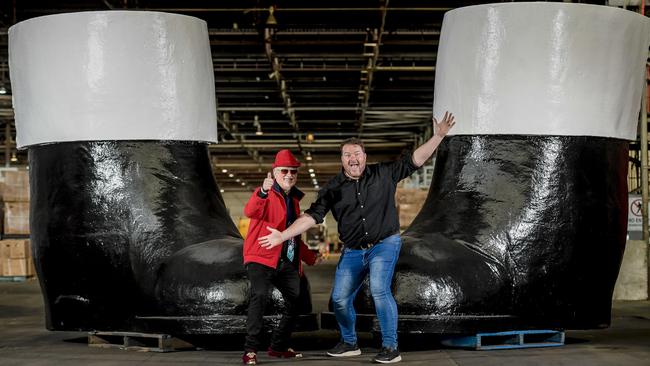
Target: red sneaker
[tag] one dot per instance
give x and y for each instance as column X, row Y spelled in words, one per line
column 249, row 358
column 289, row 353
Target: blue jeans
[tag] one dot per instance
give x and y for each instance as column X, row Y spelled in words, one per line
column 354, row 265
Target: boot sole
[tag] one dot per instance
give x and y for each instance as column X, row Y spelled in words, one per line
column 345, row 354
column 394, row 360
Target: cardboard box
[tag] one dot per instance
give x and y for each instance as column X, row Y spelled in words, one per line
column 16, row 220
column 410, row 196
column 31, row 269
column 16, row 267
column 16, row 186
column 15, row 248
column 5, row 250
column 407, row 213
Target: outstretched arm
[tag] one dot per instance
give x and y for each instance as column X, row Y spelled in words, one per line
column 298, row 227
column 424, row 152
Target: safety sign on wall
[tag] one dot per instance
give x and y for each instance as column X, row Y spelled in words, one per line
column 634, row 217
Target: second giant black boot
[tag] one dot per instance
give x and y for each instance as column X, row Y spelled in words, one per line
column 525, row 222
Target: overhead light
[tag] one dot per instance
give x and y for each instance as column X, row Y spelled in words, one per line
column 3, row 90
column 231, row 175
column 237, row 180
column 221, row 190
column 311, row 170
column 224, row 170
column 13, row 158
column 310, row 137
column 256, row 122
column 313, row 175
column 271, row 19
column 257, row 78
column 243, row 183
column 308, row 157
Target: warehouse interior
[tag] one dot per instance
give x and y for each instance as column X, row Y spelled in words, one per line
column 304, row 75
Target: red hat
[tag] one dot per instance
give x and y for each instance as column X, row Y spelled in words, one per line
column 285, row 158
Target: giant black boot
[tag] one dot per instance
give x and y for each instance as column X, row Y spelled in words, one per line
column 129, row 230
column 525, row 222
column 528, row 232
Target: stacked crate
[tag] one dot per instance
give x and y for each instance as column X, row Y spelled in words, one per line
column 15, row 250
column 409, row 201
column 16, row 258
column 16, row 203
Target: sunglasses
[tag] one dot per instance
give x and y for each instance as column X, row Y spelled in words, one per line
column 285, row 171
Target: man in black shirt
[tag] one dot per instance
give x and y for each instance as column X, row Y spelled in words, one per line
column 362, row 200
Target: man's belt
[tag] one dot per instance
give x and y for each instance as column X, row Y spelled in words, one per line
column 368, row 245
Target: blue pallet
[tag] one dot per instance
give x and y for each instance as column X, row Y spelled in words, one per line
column 13, row 278
column 507, row 340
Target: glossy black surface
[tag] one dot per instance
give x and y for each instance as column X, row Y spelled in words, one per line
column 531, row 228
column 216, row 324
column 126, row 229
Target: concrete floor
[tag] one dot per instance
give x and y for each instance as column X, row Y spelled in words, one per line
column 25, row 341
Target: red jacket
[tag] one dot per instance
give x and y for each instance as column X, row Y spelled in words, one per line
column 270, row 211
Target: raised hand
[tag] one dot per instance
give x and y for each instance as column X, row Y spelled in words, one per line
column 268, row 182
column 441, row 129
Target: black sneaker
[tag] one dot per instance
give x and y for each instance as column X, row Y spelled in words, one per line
column 388, row 355
column 344, row 350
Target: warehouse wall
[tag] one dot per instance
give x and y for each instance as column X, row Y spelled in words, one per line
column 632, row 282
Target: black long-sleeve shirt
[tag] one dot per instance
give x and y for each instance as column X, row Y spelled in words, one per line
column 364, row 208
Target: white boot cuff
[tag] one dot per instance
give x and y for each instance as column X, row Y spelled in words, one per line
column 112, row 75
column 542, row 69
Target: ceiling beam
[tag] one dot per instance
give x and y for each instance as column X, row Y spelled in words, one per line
column 370, row 50
column 241, row 142
column 281, row 82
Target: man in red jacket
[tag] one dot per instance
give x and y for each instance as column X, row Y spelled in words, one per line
column 275, row 204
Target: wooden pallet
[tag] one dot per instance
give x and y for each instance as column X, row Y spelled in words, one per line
column 142, row 342
column 507, row 340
